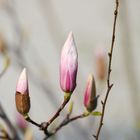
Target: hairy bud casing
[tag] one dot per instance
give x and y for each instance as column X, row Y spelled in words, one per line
column 22, row 94
column 22, row 103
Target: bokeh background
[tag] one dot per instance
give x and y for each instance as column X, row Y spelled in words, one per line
column 33, row 33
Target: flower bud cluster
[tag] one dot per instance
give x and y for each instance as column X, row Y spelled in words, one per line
column 68, row 75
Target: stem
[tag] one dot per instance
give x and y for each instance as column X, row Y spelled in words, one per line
column 27, row 118
column 66, row 100
column 109, row 86
column 69, row 120
column 5, row 138
column 66, row 121
column 44, row 125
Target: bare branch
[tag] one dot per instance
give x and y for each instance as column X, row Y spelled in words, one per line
column 109, row 85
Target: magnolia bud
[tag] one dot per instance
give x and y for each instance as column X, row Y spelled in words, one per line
column 101, row 64
column 22, row 94
column 68, row 65
column 90, row 99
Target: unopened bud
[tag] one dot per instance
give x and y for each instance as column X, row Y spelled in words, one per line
column 101, row 66
column 90, row 99
column 22, row 94
column 68, row 65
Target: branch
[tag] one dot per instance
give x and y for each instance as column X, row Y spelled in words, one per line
column 66, row 100
column 4, row 133
column 44, row 125
column 109, row 86
column 9, row 124
column 66, row 121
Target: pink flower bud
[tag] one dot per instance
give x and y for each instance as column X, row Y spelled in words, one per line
column 90, row 99
column 101, row 66
column 22, row 94
column 22, row 84
column 68, row 65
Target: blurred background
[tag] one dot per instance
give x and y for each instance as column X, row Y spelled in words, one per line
column 32, row 33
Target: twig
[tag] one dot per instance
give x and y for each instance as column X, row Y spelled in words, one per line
column 44, row 126
column 66, row 121
column 5, row 138
column 66, row 100
column 27, row 118
column 4, row 133
column 109, row 86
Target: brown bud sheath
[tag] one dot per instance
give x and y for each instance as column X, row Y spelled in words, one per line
column 22, row 103
column 22, row 94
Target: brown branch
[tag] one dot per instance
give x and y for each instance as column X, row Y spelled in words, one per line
column 66, row 100
column 4, row 133
column 66, row 121
column 109, row 86
column 44, row 125
column 5, row 138
column 27, row 118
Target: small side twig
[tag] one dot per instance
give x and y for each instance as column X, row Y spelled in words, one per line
column 58, row 111
column 66, row 121
column 109, row 85
column 5, row 138
column 27, row 118
column 44, row 125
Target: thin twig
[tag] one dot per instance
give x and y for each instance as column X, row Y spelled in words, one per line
column 58, row 111
column 5, row 138
column 66, row 121
column 32, row 121
column 109, row 86
column 44, row 125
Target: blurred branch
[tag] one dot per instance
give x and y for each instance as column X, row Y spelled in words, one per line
column 109, row 85
column 66, row 121
column 9, row 124
column 4, row 133
column 6, row 64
